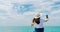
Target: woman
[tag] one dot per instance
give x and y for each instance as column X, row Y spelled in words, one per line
column 38, row 21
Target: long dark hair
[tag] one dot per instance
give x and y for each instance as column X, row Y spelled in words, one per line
column 37, row 20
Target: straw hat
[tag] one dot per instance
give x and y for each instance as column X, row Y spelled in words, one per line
column 37, row 15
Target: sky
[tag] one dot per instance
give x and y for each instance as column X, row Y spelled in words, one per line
column 21, row 12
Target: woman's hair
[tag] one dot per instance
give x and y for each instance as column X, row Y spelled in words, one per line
column 37, row 20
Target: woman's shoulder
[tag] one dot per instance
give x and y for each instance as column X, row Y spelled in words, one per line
column 42, row 18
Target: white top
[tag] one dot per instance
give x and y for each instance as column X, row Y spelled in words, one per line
column 40, row 25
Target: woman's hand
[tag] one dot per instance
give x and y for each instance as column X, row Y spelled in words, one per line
column 32, row 24
column 46, row 19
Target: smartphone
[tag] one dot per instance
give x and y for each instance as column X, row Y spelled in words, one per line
column 46, row 16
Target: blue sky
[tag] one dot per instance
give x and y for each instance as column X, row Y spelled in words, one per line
column 21, row 12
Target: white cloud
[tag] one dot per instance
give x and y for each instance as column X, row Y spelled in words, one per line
column 55, row 12
column 56, row 0
column 28, row 13
column 13, row 19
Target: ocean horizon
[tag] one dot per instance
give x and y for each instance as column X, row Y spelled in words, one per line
column 27, row 29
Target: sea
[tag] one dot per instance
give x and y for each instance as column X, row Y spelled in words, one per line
column 28, row 29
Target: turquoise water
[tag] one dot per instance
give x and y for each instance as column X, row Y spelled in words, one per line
column 28, row 29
